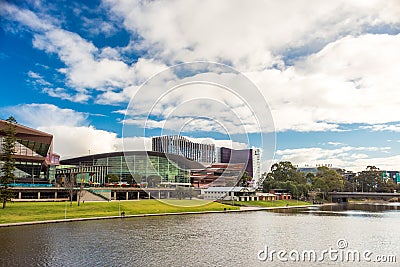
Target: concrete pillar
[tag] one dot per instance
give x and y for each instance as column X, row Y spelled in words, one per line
column 55, row 195
column 168, row 194
column 138, row 195
column 115, row 195
column 127, row 195
column 19, row 195
column 38, row 195
column 159, row 194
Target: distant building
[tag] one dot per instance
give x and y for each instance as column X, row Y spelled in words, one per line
column 179, row 145
column 34, row 158
column 394, row 175
column 281, row 194
column 230, row 193
column 250, row 157
column 266, row 196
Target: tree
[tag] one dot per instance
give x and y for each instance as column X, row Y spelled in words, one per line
column 327, row 180
column 245, row 179
column 137, row 178
column 70, row 186
column 180, row 192
column 112, row 178
column 154, row 180
column 190, row 193
column 369, row 179
column 284, row 175
column 8, row 151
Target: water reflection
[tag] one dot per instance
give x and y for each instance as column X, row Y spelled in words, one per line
column 348, row 209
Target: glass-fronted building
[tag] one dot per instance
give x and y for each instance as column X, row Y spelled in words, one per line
column 143, row 165
column 34, row 158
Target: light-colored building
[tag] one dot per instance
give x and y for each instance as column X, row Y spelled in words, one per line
column 230, row 193
column 266, row 196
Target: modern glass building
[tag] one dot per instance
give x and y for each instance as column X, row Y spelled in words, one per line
column 34, row 158
column 179, row 145
column 144, row 165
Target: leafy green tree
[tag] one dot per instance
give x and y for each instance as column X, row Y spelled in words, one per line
column 245, row 179
column 284, row 175
column 285, row 171
column 112, row 178
column 130, row 180
column 327, row 180
column 8, row 151
column 369, row 179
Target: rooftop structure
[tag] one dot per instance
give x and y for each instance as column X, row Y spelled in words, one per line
column 34, row 158
column 179, row 145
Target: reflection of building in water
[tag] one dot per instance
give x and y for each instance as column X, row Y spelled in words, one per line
column 179, row 145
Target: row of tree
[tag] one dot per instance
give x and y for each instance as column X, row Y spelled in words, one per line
column 284, row 175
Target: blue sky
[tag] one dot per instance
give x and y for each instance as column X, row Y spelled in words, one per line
column 322, row 75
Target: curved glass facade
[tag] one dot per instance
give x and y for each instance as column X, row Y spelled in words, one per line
column 171, row 170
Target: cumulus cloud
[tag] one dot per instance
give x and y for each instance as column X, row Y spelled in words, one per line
column 328, row 69
column 347, row 157
column 73, row 136
column 37, row 115
column 246, row 35
column 382, row 127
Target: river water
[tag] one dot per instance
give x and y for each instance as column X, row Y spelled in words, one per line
column 222, row 239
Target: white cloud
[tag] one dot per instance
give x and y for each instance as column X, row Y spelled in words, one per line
column 72, row 141
column 250, row 35
column 382, row 127
column 73, row 136
column 352, row 80
column 335, row 143
column 338, row 75
column 37, row 115
column 63, row 94
column 347, row 157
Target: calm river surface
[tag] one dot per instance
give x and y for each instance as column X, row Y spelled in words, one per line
column 223, row 239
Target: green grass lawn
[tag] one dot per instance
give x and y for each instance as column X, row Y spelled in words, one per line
column 42, row 211
column 275, row 203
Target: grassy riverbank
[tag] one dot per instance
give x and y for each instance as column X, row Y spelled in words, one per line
column 43, row 211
